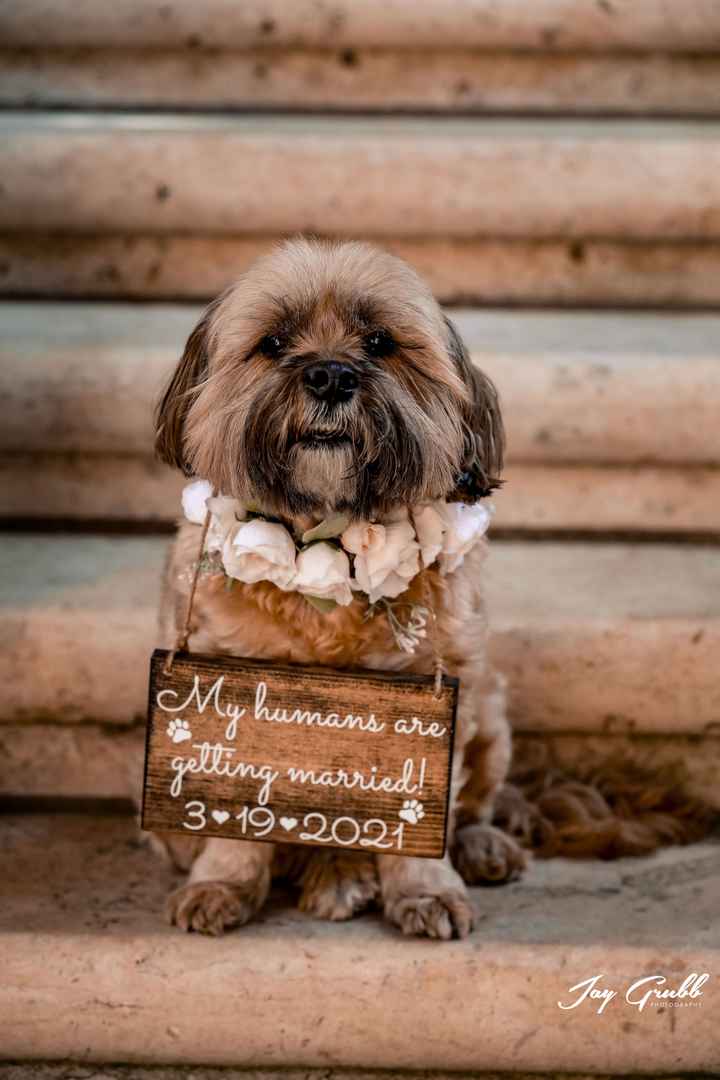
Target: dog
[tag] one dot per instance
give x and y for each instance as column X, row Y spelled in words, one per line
column 327, row 379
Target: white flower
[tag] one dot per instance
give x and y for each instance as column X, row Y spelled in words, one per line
column 464, row 525
column 225, row 514
column 386, row 557
column 323, row 571
column 194, row 500
column 260, row 550
column 430, row 530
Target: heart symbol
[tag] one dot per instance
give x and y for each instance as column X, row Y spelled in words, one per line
column 288, row 823
column 220, row 816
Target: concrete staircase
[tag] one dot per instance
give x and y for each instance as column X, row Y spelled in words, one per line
column 553, row 167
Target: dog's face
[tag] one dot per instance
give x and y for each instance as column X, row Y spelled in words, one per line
column 328, row 379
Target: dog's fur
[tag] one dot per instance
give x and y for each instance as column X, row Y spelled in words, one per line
column 423, row 424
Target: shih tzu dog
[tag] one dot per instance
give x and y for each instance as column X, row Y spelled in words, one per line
column 325, row 381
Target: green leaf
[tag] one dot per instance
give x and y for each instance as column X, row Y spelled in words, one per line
column 321, row 604
column 328, row 529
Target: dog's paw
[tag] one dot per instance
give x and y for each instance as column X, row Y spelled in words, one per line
column 484, row 855
column 338, row 885
column 210, row 907
column 179, row 731
column 445, row 916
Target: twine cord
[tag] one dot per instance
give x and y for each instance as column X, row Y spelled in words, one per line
column 181, row 640
column 438, row 660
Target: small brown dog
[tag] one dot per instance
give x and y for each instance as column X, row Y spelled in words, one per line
column 327, row 379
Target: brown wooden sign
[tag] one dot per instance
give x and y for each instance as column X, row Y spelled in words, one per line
column 254, row 751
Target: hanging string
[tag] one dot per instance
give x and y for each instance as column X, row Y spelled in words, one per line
column 183, row 636
column 438, row 661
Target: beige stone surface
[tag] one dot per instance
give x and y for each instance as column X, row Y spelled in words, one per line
column 600, row 499
column 77, row 625
column 89, row 487
column 114, row 488
column 34, row 1070
column 420, row 177
column 457, row 80
column 93, row 761
column 460, row 271
column 594, row 637
column 576, row 387
column 73, row 1071
column 91, row 973
column 515, row 24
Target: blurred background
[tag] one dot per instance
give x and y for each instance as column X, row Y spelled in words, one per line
column 552, row 167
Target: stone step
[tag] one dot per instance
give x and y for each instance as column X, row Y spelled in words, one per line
column 91, row 973
column 612, row 388
column 460, row 80
column 572, row 273
column 442, row 178
column 34, row 1070
column 611, row 637
column 105, row 761
column 644, row 25
column 625, row 440
column 643, row 501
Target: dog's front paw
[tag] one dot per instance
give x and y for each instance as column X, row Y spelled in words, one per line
column 445, row 916
column 338, row 885
column 211, row 907
column 484, row 855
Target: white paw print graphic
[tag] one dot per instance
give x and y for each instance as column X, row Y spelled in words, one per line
column 412, row 811
column 179, row 731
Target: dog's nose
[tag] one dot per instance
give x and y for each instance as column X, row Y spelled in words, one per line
column 331, row 382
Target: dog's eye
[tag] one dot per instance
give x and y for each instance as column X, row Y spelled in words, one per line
column 379, row 343
column 271, row 346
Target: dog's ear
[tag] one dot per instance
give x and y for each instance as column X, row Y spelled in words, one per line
column 484, row 432
column 172, row 409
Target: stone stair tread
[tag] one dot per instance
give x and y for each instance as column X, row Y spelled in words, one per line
column 606, row 273
column 516, row 24
column 577, row 626
column 489, row 129
column 616, row 387
column 83, row 913
column 437, row 79
column 447, row 177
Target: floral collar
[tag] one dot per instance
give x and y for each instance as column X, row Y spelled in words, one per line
column 338, row 558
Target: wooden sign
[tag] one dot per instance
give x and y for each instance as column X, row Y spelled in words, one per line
column 254, row 751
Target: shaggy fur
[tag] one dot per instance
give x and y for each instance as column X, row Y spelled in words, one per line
column 422, row 424
column 619, row 807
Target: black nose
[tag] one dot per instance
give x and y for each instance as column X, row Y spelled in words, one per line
column 331, row 382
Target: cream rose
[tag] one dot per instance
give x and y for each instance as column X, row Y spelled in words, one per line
column 386, row 557
column 464, row 525
column 430, row 530
column 323, row 571
column 225, row 514
column 260, row 550
column 194, row 500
